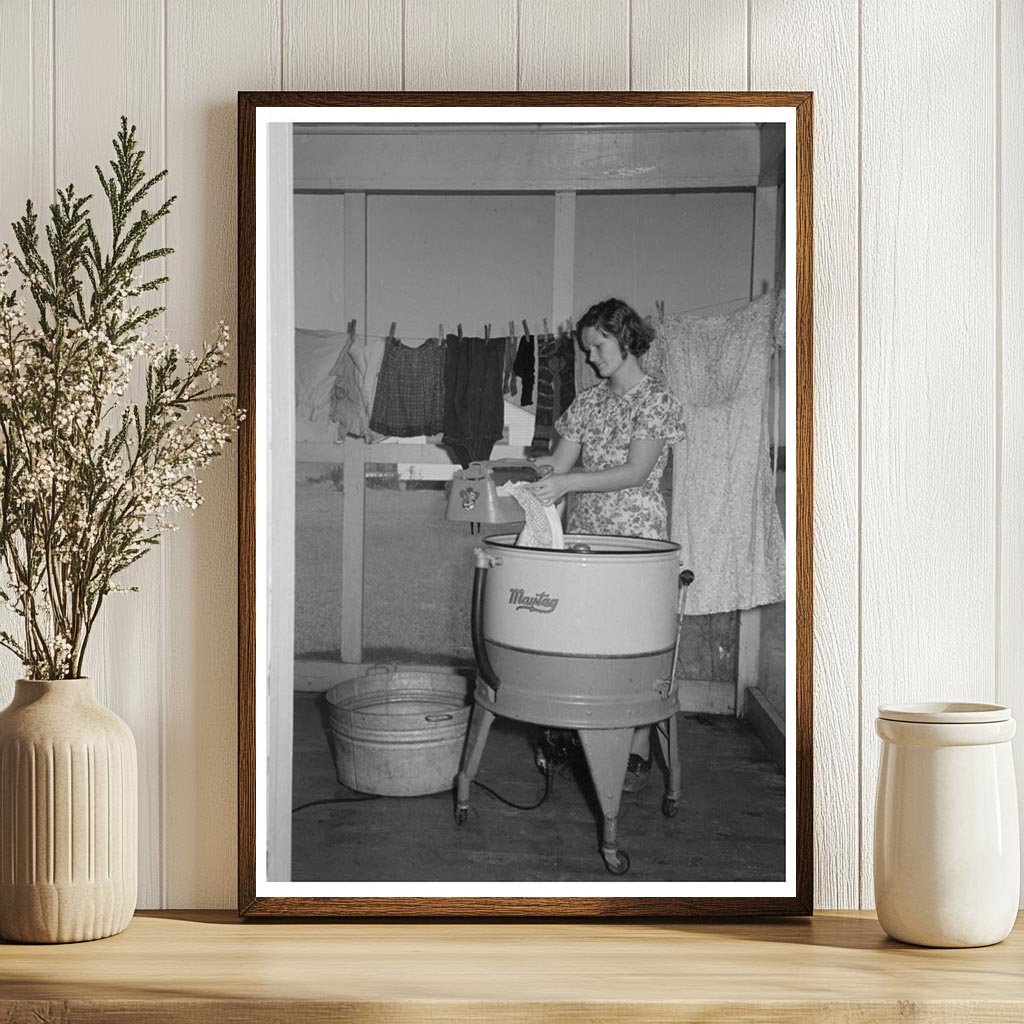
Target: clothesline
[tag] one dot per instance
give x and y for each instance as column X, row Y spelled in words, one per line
column 678, row 312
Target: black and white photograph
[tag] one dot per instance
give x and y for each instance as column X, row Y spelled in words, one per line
column 525, row 502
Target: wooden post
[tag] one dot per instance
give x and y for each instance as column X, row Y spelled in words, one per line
column 748, row 661
column 762, row 278
column 354, row 261
column 565, row 256
column 280, row 539
column 353, row 506
column 762, row 265
column 352, row 548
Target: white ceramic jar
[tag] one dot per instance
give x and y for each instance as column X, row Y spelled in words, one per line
column 947, row 848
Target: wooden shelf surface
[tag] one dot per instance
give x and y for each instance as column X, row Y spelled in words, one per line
column 200, row 966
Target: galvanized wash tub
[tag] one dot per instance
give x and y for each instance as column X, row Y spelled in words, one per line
column 398, row 732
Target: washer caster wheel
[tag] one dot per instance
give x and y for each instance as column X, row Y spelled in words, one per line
column 669, row 806
column 617, row 863
column 461, row 815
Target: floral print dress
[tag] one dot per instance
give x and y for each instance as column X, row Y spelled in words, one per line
column 605, row 424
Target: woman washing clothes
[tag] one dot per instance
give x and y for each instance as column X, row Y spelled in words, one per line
column 622, row 428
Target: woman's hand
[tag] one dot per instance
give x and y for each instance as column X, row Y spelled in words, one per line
column 552, row 489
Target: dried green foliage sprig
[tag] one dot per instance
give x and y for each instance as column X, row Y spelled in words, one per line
column 89, row 478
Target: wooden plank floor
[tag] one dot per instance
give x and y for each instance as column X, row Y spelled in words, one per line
column 730, row 825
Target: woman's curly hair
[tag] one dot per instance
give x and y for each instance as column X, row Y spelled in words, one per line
column 622, row 322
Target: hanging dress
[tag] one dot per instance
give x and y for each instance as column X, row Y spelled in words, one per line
column 318, row 359
column 474, row 411
column 367, row 354
column 724, row 515
column 556, row 387
column 409, row 399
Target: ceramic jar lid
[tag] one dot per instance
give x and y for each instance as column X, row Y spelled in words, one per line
column 945, row 713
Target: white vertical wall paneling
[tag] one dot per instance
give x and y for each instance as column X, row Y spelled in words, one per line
column 699, row 44
column 125, row 651
column 801, row 45
column 928, row 401
column 342, row 44
column 16, row 68
column 281, row 318
column 42, row 99
column 468, row 45
column 574, row 44
column 1010, row 214
column 18, row 58
column 26, row 109
column 26, row 81
column 213, row 51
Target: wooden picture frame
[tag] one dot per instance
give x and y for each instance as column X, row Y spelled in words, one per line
column 266, row 313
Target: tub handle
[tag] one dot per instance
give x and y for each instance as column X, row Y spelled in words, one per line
column 686, row 577
column 439, row 718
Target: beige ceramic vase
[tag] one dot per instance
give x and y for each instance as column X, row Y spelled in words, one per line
column 68, row 815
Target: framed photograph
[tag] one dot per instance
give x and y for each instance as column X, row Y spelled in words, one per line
column 525, row 504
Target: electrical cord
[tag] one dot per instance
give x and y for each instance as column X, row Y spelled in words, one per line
column 549, row 778
column 549, row 785
column 336, row 800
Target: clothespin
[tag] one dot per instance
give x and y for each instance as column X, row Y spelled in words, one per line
column 526, row 327
column 659, row 305
column 545, row 327
column 460, row 330
column 511, row 330
column 352, row 328
column 391, row 332
column 487, row 332
column 440, row 333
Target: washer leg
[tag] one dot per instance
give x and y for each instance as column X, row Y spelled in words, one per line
column 479, row 726
column 607, row 752
column 667, row 732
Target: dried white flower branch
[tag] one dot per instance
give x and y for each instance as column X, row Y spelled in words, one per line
column 88, row 478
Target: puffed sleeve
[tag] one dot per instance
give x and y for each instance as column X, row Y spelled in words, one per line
column 572, row 424
column 660, row 418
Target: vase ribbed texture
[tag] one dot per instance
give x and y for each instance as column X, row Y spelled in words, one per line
column 68, row 815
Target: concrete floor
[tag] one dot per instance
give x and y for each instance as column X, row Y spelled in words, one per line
column 730, row 825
